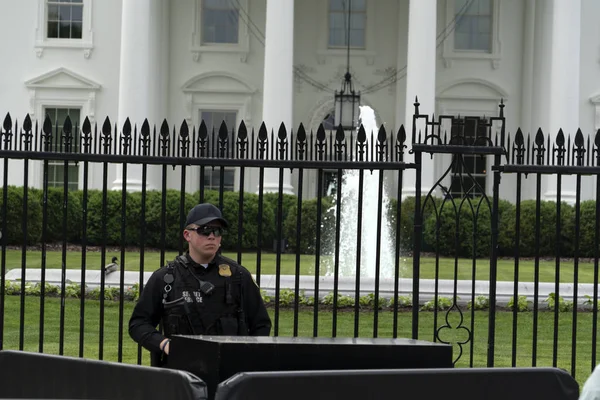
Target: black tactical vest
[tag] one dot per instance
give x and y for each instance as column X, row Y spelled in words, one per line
column 203, row 302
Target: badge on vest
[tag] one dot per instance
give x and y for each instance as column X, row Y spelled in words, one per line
column 224, row 270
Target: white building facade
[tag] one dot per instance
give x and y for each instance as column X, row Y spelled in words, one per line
column 281, row 60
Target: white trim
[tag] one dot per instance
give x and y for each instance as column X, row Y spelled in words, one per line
column 246, row 87
column 449, row 54
column 68, row 89
column 242, row 48
column 595, row 100
column 238, row 97
column 324, row 53
column 497, row 92
column 86, row 43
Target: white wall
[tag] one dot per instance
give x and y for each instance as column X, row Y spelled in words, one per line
column 201, row 78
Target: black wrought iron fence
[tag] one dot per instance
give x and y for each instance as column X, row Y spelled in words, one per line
column 307, row 249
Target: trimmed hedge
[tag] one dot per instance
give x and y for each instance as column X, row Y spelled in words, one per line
column 443, row 222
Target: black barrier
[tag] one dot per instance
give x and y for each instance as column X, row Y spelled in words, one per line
column 421, row 384
column 42, row 376
column 216, row 358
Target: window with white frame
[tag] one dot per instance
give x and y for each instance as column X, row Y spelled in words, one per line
column 64, row 19
column 65, row 24
column 213, row 120
column 220, row 22
column 473, row 28
column 56, row 168
column 342, row 13
column 469, row 177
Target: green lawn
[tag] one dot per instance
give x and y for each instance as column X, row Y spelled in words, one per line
column 287, row 265
column 477, row 356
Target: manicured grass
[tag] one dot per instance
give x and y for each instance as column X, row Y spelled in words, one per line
column 474, row 352
column 287, row 265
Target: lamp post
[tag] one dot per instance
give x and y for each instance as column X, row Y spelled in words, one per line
column 347, row 99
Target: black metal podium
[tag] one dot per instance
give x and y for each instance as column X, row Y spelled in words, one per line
column 216, row 358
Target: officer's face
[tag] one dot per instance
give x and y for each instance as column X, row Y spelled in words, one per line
column 204, row 241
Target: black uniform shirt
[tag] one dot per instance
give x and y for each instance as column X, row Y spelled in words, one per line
column 148, row 311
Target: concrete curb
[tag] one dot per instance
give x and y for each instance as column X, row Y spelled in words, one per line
column 346, row 285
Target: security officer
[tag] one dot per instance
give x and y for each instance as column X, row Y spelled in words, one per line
column 200, row 292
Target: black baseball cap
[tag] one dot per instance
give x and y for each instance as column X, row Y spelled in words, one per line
column 204, row 213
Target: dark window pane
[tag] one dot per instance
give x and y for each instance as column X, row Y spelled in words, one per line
column 64, row 13
column 220, row 22
column 76, row 30
column 77, row 14
column 52, row 29
column 337, row 5
column 52, row 13
column 64, row 30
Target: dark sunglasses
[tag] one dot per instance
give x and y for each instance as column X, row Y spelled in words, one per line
column 207, row 230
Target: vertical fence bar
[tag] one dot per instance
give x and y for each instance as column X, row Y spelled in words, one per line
column 359, row 226
column 4, row 240
column 318, row 251
column 122, row 261
column 43, row 255
column 576, row 275
column 278, row 238
column 397, row 253
column 261, row 199
column 536, row 266
column 103, row 258
column 517, row 250
column 163, row 215
column 298, row 271
column 418, row 230
column 24, row 250
column 494, row 265
column 557, row 272
column 336, row 259
column 63, row 266
column 142, row 241
column 596, row 280
column 378, row 254
column 240, row 215
column 84, row 219
column 473, row 283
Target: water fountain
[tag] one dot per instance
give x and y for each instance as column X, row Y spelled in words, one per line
column 348, row 220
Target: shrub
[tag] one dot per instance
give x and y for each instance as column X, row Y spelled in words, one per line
column 463, row 227
column 547, row 236
column 403, row 302
column 14, row 233
column 587, row 229
column 522, row 304
column 480, row 303
column 563, row 305
column 443, row 303
column 343, row 301
column 56, row 214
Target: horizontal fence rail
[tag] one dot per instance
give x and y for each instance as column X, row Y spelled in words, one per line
column 362, row 248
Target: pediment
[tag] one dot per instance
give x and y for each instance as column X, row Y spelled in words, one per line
column 218, row 82
column 595, row 99
column 62, row 78
column 472, row 89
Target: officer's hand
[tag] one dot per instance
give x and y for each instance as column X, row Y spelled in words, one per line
column 164, row 345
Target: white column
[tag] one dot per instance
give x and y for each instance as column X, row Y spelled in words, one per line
column 142, row 78
column 278, row 89
column 528, row 71
column 420, row 82
column 564, row 84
